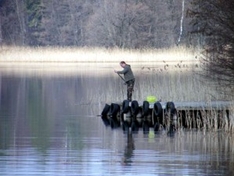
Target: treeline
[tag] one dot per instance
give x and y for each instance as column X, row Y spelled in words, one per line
column 102, row 23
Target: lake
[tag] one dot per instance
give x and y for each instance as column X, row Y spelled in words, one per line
column 49, row 124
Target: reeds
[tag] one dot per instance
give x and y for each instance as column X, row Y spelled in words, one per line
column 85, row 54
column 206, row 119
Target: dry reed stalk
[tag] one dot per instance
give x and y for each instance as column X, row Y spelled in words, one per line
column 225, row 120
column 188, row 119
column 211, row 119
column 231, row 119
column 179, row 121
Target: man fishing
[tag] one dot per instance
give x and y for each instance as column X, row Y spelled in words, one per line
column 128, row 78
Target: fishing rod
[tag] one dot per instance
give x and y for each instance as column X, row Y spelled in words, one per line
column 121, row 77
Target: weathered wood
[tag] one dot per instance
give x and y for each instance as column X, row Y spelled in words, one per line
column 219, row 105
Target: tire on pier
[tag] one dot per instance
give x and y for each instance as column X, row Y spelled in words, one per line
column 134, row 107
column 104, row 114
column 172, row 114
column 105, row 110
column 134, row 111
column 157, row 109
column 125, row 106
column 170, row 109
column 170, row 106
column 114, row 110
column 145, row 108
column 158, row 113
column 145, row 113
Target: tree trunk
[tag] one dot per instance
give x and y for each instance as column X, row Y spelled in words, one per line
column 20, row 15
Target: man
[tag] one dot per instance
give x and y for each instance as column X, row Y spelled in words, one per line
column 128, row 77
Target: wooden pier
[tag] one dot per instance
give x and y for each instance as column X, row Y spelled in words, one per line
column 168, row 116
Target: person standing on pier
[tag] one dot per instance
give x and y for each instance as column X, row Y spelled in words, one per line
column 128, row 78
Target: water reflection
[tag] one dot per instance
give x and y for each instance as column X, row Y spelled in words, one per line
column 49, row 126
column 128, row 150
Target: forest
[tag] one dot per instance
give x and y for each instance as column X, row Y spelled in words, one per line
column 126, row 24
column 96, row 23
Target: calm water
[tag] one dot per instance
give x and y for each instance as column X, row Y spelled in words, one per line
column 49, row 126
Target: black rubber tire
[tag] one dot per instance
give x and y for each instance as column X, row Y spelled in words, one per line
column 114, row 109
column 125, row 106
column 140, row 111
column 170, row 105
column 174, row 111
column 134, row 107
column 157, row 109
column 105, row 110
column 145, row 108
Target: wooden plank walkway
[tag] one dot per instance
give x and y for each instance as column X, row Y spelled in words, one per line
column 219, row 105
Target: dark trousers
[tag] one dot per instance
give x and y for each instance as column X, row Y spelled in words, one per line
column 130, row 86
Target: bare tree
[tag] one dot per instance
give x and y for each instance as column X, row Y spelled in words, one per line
column 120, row 24
column 79, row 14
column 213, row 20
column 63, row 23
column 1, row 37
column 181, row 21
column 10, row 23
column 21, row 21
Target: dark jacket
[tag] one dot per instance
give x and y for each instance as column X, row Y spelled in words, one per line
column 127, row 72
